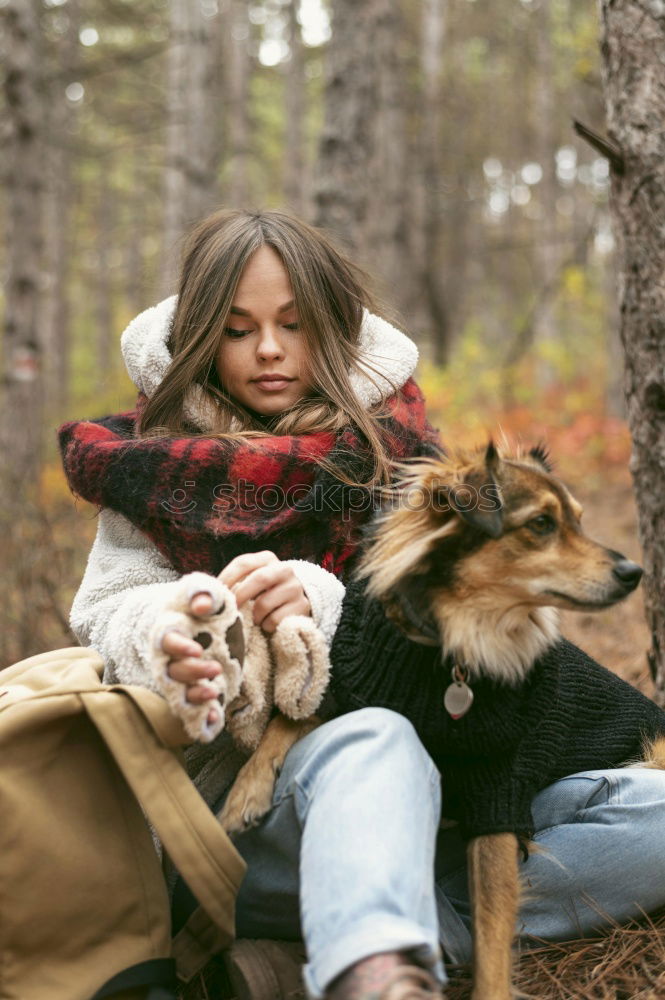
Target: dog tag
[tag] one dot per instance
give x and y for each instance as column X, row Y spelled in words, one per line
column 458, row 698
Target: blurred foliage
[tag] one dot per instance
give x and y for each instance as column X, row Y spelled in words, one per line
column 572, row 410
column 585, row 441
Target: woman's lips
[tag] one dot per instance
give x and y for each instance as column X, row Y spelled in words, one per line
column 272, row 384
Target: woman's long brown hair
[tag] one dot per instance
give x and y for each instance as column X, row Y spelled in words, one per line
column 330, row 293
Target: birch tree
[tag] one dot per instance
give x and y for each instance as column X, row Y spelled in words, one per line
column 632, row 47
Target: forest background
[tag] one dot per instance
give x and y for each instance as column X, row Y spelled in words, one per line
column 434, row 138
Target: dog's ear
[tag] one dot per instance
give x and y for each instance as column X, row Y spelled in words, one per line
column 478, row 499
column 541, row 455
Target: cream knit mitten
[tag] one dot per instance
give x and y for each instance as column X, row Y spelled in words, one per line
column 302, row 668
column 222, row 637
column 288, row 668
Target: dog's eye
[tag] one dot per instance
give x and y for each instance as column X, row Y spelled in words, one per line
column 541, row 525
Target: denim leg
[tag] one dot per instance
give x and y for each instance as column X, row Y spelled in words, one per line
column 601, row 836
column 452, row 896
column 346, row 855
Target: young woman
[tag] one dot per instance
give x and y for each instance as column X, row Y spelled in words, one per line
column 271, row 401
column 268, row 375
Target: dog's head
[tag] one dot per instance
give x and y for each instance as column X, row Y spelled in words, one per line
column 491, row 534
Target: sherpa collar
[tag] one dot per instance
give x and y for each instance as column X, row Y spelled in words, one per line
column 392, row 355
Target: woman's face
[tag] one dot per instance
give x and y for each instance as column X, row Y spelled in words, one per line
column 262, row 359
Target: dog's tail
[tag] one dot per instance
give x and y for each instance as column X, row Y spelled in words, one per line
column 654, row 754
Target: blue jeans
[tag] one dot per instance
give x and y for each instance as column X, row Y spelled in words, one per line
column 345, row 859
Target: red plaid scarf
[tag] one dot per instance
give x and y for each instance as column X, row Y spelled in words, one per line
column 203, row 501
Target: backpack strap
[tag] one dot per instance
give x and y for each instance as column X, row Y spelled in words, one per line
column 127, row 719
column 152, row 980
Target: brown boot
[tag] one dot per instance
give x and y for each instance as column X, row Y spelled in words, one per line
column 265, row 970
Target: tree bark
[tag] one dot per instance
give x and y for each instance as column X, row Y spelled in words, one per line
column 237, row 87
column 20, row 429
column 632, row 47
column 548, row 253
column 294, row 159
column 431, row 142
column 22, row 377
column 362, row 186
column 104, row 325
column 390, row 184
column 135, row 230
column 192, row 126
column 341, row 192
column 58, row 237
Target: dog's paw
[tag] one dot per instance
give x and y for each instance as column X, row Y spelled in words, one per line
column 249, row 800
column 302, row 667
column 222, row 638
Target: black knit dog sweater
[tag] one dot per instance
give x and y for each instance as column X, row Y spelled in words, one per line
column 569, row 715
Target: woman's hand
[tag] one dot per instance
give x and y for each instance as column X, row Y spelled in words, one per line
column 260, row 576
column 274, row 587
column 187, row 663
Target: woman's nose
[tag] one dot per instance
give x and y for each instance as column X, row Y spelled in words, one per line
column 269, row 346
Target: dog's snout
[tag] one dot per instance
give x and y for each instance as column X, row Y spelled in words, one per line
column 627, row 573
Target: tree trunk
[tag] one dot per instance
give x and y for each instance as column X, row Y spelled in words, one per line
column 58, row 242
column 59, row 248
column 362, row 187
column 390, row 185
column 20, row 430
column 135, row 230
column 548, row 253
column 237, row 87
column 104, row 325
column 192, row 126
column 342, row 189
column 22, row 377
column 431, row 142
column 294, row 159
column 632, row 47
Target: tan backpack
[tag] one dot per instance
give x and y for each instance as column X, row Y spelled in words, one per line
column 84, row 912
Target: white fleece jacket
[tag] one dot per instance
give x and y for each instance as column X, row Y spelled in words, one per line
column 127, row 581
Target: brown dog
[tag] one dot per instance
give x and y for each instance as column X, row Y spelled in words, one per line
column 492, row 605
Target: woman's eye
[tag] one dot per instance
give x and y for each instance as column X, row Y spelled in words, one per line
column 291, row 326
column 230, row 331
column 542, row 525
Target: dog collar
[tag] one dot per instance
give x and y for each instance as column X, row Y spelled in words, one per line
column 426, row 631
column 458, row 696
